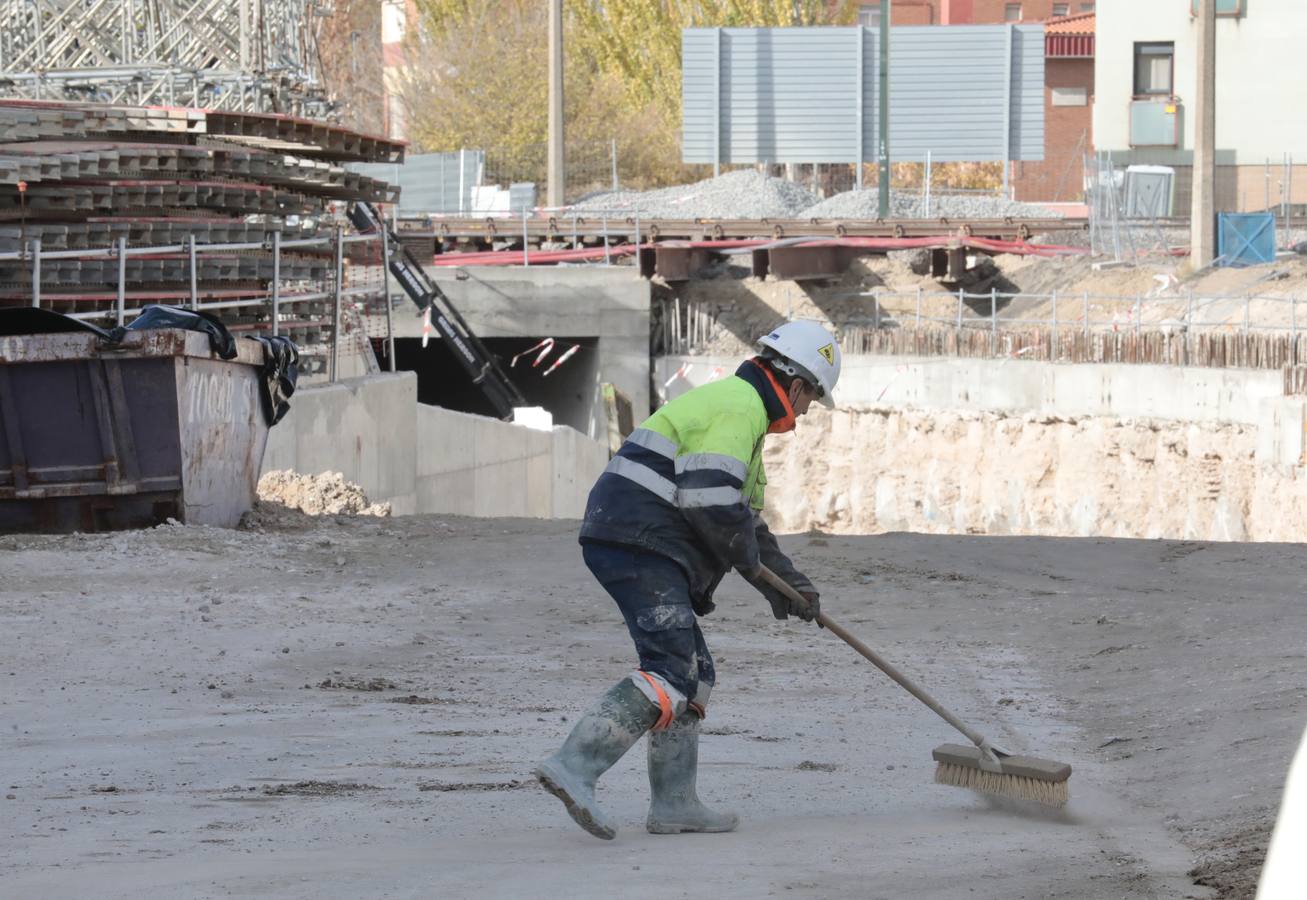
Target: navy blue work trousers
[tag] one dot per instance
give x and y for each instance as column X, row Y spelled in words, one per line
column 653, row 593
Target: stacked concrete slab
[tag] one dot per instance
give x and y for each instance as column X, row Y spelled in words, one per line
column 79, row 176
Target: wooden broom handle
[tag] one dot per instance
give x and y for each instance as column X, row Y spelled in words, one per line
column 875, row 659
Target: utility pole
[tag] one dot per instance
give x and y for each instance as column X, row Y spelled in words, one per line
column 556, row 162
column 1202, row 216
column 882, row 120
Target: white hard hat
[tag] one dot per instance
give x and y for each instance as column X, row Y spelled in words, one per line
column 811, row 352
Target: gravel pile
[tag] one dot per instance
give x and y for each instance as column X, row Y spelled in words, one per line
column 864, row 205
column 743, row 194
column 747, row 194
column 327, row 494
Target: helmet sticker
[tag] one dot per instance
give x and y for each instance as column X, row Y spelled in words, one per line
column 828, row 353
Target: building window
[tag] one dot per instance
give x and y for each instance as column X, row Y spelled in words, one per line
column 869, row 16
column 1070, row 96
column 1154, row 64
column 1061, row 9
column 1012, row 12
column 1086, row 7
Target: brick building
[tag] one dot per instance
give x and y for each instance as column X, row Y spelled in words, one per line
column 1068, row 80
column 1068, row 114
column 972, row 12
column 1147, row 84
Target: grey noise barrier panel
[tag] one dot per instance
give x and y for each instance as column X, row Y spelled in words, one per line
column 965, row 93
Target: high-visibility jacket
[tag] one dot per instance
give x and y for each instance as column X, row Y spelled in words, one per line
column 689, row 484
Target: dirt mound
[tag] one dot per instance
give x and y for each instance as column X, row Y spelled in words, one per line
column 328, row 494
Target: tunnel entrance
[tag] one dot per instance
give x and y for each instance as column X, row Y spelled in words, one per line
column 569, row 392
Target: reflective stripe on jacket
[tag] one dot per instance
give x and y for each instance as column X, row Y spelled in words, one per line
column 689, row 483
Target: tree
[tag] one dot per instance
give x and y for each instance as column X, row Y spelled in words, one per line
column 479, row 77
column 640, row 41
column 349, row 53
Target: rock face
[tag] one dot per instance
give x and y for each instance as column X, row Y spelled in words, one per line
column 867, row 471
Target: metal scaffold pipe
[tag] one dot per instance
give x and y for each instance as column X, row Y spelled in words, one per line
column 197, row 53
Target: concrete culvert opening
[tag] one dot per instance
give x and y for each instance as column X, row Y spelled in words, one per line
column 569, row 392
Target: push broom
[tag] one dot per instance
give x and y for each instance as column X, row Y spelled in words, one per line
column 983, row 767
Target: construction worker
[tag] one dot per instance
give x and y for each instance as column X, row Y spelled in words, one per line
column 676, row 509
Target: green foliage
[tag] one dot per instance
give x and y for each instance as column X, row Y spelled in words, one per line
column 640, row 40
column 479, row 76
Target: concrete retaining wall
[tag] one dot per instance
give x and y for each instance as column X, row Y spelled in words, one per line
column 1119, row 391
column 474, row 466
column 424, row 459
column 1013, row 447
column 1177, row 393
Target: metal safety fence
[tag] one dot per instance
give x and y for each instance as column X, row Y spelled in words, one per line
column 1185, row 329
column 308, row 292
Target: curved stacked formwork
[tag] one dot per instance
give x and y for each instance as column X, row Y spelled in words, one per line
column 80, row 183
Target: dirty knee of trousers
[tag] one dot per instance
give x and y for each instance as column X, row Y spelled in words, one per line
column 653, row 594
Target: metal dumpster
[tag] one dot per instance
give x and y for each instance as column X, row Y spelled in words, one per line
column 97, row 435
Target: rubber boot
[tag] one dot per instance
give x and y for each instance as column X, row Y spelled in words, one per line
column 673, row 770
column 598, row 740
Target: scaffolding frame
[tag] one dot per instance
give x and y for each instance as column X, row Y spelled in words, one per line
column 239, row 55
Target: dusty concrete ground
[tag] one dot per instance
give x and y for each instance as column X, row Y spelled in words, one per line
column 353, row 709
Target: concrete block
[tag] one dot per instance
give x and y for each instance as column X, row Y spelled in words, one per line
column 499, row 489
column 576, row 462
column 446, row 441
column 445, row 459
column 504, row 469
column 539, row 485
column 536, row 417
column 451, row 493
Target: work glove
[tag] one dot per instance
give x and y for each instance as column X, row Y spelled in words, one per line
column 782, row 607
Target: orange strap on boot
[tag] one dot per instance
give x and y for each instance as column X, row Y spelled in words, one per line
column 666, row 711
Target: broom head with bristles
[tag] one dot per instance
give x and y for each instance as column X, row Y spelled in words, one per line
column 1021, row 777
